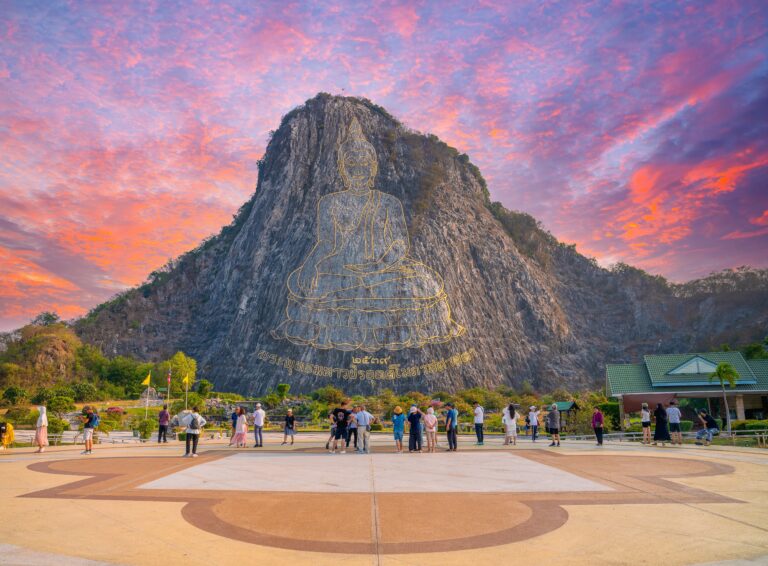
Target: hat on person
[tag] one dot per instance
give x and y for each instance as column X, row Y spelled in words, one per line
column 258, row 405
column 398, row 410
column 532, row 408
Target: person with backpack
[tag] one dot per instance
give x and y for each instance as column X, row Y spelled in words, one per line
column 91, row 422
column 194, row 423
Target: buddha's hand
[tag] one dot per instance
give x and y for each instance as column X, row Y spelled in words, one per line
column 308, row 279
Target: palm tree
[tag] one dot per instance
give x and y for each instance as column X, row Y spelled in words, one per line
column 725, row 373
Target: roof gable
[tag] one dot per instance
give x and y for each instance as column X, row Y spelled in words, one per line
column 672, row 370
column 695, row 366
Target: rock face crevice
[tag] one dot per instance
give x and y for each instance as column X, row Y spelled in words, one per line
column 534, row 309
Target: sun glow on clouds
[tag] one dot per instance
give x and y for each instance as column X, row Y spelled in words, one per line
column 129, row 131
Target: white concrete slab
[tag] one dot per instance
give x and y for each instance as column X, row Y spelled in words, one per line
column 476, row 472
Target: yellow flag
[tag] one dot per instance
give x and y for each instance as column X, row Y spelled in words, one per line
column 185, row 381
column 146, row 381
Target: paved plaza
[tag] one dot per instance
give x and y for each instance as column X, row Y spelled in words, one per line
column 579, row 504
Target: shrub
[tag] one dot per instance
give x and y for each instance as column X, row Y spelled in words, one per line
column 377, row 427
column 739, row 425
column 686, row 426
column 145, row 427
column 194, row 400
column 83, row 392
column 61, row 405
column 757, row 425
column 42, row 396
column 14, row 395
column 57, row 425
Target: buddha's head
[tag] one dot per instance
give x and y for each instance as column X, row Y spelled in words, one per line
column 357, row 158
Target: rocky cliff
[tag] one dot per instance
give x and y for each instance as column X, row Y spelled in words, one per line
column 531, row 308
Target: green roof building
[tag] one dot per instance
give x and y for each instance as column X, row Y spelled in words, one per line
column 661, row 378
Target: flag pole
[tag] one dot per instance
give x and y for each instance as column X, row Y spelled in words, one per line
column 186, row 392
column 146, row 403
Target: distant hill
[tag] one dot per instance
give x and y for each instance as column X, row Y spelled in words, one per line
column 39, row 356
column 526, row 307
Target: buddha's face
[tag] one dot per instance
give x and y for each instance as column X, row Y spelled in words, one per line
column 358, row 166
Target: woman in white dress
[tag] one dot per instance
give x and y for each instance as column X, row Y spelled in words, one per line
column 509, row 420
column 41, row 432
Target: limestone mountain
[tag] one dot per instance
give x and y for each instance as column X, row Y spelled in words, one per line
column 370, row 256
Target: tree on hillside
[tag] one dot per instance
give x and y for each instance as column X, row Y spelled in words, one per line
column 725, row 373
column 282, row 390
column 204, row 388
column 755, row 351
column 46, row 318
column 15, row 395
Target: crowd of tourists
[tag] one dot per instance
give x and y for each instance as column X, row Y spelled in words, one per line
column 668, row 427
column 350, row 427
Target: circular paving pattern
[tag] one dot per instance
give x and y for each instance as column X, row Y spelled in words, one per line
column 383, row 503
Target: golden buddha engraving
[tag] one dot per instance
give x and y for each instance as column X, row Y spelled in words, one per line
column 358, row 289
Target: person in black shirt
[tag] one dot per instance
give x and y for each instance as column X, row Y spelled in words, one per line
column 414, row 434
column 290, row 427
column 342, row 415
column 709, row 429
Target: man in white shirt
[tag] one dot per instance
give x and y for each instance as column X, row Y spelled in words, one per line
column 479, row 418
column 258, row 424
column 533, row 418
column 673, row 417
column 364, row 421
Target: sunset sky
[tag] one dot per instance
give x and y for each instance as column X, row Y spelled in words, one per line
column 129, row 131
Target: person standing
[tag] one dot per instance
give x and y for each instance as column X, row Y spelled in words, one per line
column 353, row 429
column 597, row 425
column 289, row 429
column 241, row 429
column 41, row 429
column 430, row 424
column 414, row 432
column 364, row 420
column 673, row 417
column 259, row 416
column 479, row 420
column 194, row 423
column 645, row 420
column 163, row 420
column 342, row 416
column 661, row 433
column 398, row 428
column 90, row 422
column 509, row 420
column 452, row 427
column 533, row 418
column 233, row 418
column 332, row 435
column 553, row 424
column 709, row 428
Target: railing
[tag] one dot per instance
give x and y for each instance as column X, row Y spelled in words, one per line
column 761, row 436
